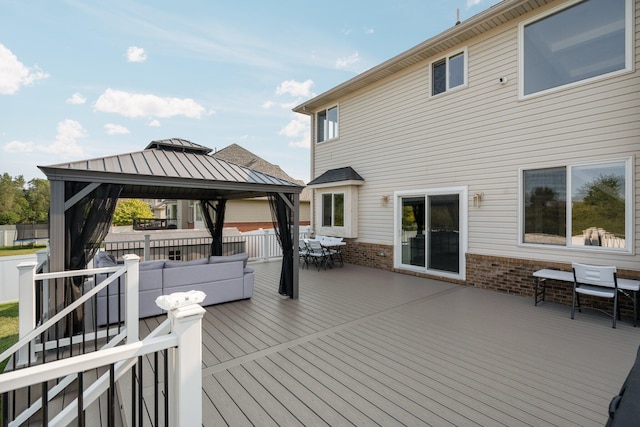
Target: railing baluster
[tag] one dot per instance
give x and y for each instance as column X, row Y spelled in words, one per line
column 5, row 409
column 140, row 386
column 165, row 353
column 111, row 398
column 45, row 404
column 80, row 399
column 155, row 389
column 134, row 395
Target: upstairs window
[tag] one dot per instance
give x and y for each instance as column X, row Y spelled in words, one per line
column 589, row 39
column 327, row 124
column 448, row 73
column 579, row 206
column 333, row 210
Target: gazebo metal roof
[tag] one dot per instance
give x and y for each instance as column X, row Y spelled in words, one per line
column 172, row 168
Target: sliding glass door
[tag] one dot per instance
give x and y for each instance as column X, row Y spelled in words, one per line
column 431, row 234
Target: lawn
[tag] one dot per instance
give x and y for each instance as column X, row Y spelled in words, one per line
column 8, row 328
column 20, row 250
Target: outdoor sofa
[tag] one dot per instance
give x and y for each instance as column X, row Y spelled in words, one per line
column 221, row 278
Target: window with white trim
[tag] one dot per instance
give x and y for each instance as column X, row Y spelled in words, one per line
column 448, row 73
column 333, row 210
column 586, row 40
column 578, row 206
column 327, row 124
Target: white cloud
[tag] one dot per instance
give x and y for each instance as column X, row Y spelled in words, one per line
column 76, row 99
column 66, row 144
column 471, row 3
column 347, row 62
column 146, row 105
column 268, row 104
column 113, row 129
column 19, row 147
column 295, row 88
column 154, row 123
column 136, row 54
column 297, row 129
column 14, row 74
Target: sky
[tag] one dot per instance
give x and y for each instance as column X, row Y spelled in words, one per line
column 88, row 79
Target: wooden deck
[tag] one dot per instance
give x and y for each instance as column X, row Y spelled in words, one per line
column 364, row 346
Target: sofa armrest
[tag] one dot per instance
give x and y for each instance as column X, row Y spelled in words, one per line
column 247, row 277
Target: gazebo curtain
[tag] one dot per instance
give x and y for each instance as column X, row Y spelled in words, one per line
column 282, row 217
column 87, row 224
column 213, row 215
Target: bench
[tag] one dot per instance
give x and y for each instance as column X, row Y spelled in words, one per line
column 627, row 287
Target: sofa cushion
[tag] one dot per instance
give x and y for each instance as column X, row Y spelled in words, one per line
column 173, row 264
column 151, row 265
column 216, row 259
column 103, row 259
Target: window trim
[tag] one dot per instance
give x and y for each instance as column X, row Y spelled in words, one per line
column 447, row 58
column 326, row 128
column 629, row 50
column 629, row 207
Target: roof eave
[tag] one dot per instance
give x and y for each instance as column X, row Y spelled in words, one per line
column 482, row 22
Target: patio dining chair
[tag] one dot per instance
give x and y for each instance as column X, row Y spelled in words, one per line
column 333, row 247
column 317, row 254
column 596, row 281
column 303, row 253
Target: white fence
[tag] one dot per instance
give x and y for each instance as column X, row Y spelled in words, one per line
column 9, row 276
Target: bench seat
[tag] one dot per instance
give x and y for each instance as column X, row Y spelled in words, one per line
column 627, row 287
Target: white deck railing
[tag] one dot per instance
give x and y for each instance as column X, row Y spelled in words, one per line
column 180, row 335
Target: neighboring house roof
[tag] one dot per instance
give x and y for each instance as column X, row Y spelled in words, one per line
column 173, row 169
column 337, row 175
column 483, row 22
column 243, row 157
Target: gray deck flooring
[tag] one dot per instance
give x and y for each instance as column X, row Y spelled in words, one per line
column 368, row 347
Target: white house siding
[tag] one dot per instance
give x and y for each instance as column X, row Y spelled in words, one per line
column 398, row 138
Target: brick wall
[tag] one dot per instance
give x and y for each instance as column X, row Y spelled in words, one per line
column 514, row 276
column 501, row 274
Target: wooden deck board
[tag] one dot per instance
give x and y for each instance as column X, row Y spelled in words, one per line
column 364, row 346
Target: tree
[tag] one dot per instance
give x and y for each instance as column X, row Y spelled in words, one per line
column 38, row 196
column 128, row 209
column 12, row 200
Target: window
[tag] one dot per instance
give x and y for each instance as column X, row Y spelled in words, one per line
column 587, row 40
column 578, row 206
column 327, row 124
column 333, row 210
column 448, row 73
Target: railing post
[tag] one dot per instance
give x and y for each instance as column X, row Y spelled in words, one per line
column 147, row 247
column 265, row 245
column 26, row 308
column 185, row 362
column 132, row 283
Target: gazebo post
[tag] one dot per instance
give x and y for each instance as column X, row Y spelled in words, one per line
column 296, row 236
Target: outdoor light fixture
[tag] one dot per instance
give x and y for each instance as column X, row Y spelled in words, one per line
column 477, row 198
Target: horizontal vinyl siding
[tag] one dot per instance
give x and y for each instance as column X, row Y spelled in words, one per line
column 398, row 138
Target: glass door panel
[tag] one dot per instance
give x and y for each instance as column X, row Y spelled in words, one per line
column 444, row 233
column 413, row 226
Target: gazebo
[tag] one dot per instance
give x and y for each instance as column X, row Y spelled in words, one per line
column 84, row 195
